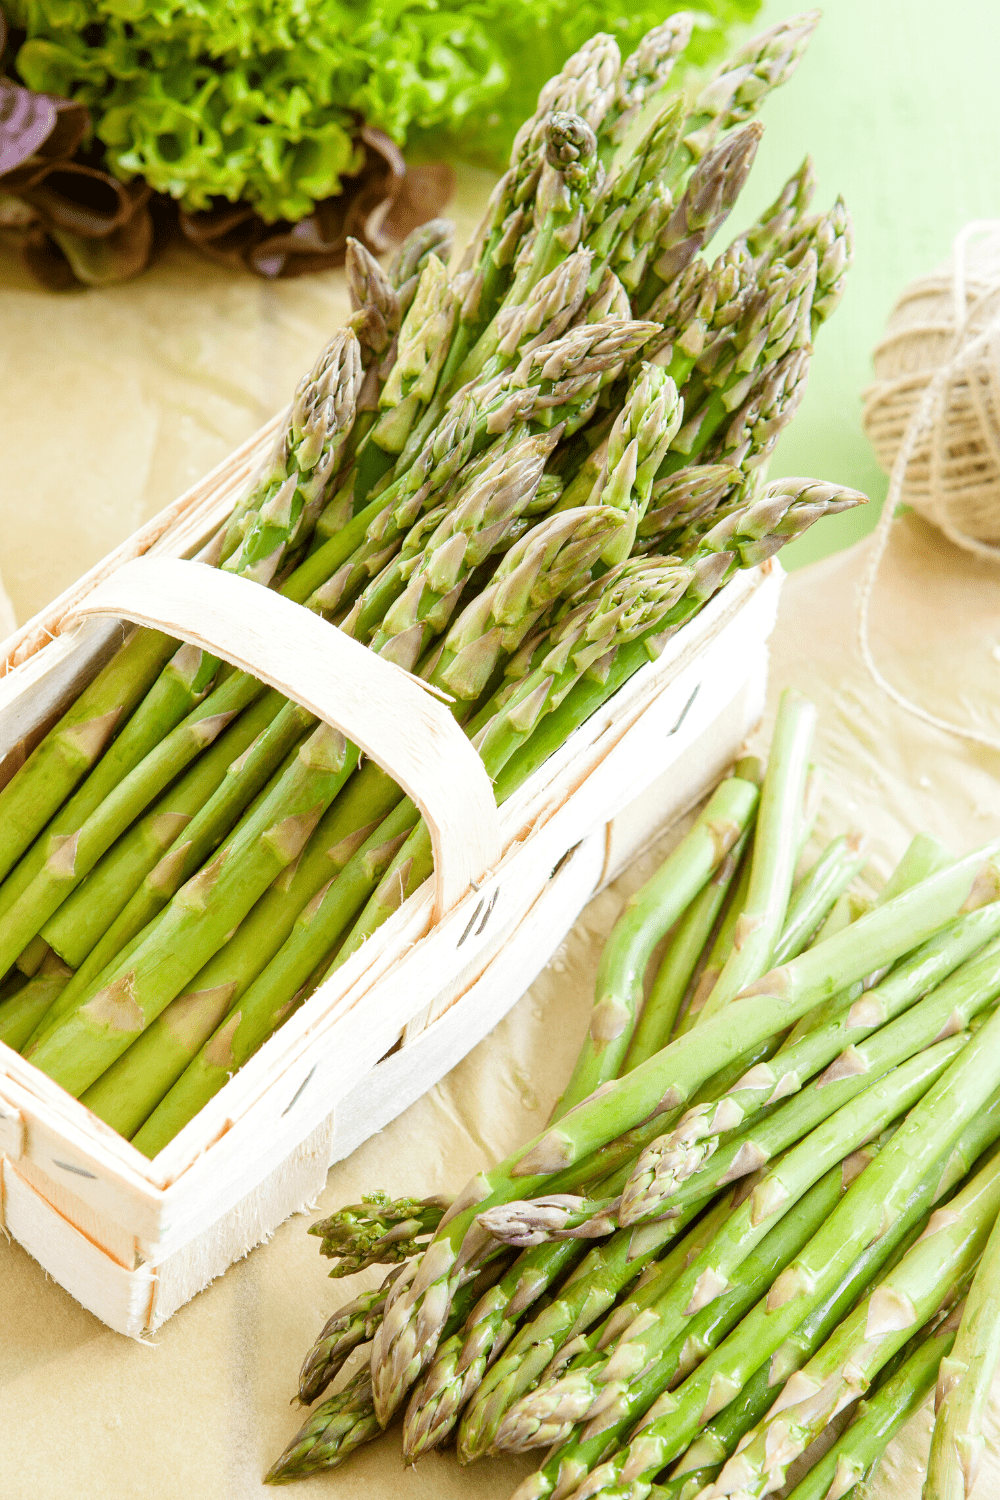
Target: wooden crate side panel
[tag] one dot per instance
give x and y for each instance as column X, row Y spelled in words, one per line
column 398, row 1080
column 676, row 790
column 119, row 1297
column 74, row 1153
column 289, row 1187
column 114, row 1239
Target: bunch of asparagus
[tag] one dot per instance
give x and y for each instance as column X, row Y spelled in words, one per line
column 517, row 481
column 768, row 1197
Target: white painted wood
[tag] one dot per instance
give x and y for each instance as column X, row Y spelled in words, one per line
column 471, row 1012
column 120, row 1298
column 386, row 711
column 676, row 790
column 293, row 1185
column 11, row 1129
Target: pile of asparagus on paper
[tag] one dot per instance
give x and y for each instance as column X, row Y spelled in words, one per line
column 766, row 1200
column 517, row 481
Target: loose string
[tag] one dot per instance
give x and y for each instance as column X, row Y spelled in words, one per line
column 928, row 412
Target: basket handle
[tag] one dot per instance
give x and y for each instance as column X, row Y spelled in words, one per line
column 385, row 711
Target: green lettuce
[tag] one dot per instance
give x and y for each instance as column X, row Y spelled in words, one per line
column 260, row 99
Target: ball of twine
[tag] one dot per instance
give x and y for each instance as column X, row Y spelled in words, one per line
column 933, row 417
column 944, row 332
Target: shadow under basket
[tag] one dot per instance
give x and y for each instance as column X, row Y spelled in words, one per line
column 133, row 1239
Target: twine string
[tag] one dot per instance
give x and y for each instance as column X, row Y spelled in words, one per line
column 926, row 421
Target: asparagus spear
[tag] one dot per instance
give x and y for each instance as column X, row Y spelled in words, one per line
column 618, row 1382
column 829, row 877
column 770, row 1344
column 963, row 1386
column 643, row 75
column 856, row 1454
column 433, row 238
column 656, row 1020
column 76, row 742
column 924, row 1281
column 774, row 853
column 457, row 1369
column 378, row 1230
column 180, row 685
column 89, row 1038
column 132, row 1087
column 330, row 1433
column 75, row 856
column 648, row 914
column 350, row 1326
column 21, row 1011
column 652, row 1192
column 665, row 1080
column 676, row 1155
column 947, row 1010
column 83, row 918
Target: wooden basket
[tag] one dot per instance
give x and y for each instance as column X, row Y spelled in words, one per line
column 133, row 1240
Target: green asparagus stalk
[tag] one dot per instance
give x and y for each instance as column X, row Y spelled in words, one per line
column 771, row 1344
column 762, row 917
column 947, row 1010
column 78, row 924
column 181, row 684
column 923, row 1281
column 924, row 856
column 21, row 1012
column 350, row 1326
column 346, row 1420
column 542, row 1419
column 766, row 1083
column 204, row 911
column 461, row 1361
column 722, row 944
column 377, row 1231
column 618, row 1382
column 665, row 1080
column 77, row 741
column 132, row 1087
column 856, row 1454
column 436, row 237
column 320, row 421
column 648, row 914
column 643, row 76
column 623, row 1261
column 656, row 1021
column 841, row 861
column 330, row 1434
column 652, row 1191
column 963, row 1386
column 75, row 856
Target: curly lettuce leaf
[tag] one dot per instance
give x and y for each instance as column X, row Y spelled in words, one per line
column 259, row 99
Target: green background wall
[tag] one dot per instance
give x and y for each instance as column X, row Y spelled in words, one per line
column 898, row 102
